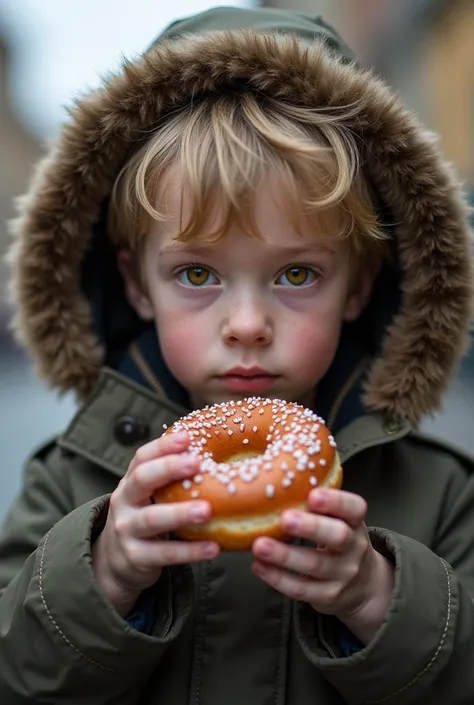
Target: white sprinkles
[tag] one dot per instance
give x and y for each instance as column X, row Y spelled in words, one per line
column 294, row 430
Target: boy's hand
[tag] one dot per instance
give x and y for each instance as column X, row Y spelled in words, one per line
column 343, row 575
column 133, row 547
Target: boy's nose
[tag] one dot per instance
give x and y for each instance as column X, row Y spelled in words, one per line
column 248, row 324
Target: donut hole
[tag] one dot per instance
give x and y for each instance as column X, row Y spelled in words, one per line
column 241, row 446
column 238, row 457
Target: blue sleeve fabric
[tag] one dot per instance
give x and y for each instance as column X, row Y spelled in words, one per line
column 143, row 615
column 348, row 643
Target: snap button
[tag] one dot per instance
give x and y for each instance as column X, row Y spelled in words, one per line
column 130, row 431
column 392, row 427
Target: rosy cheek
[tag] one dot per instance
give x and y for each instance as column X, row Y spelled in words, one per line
column 181, row 343
column 314, row 347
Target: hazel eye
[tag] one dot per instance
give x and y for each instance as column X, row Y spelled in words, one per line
column 196, row 276
column 297, row 276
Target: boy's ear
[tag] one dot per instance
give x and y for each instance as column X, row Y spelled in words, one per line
column 137, row 297
column 359, row 297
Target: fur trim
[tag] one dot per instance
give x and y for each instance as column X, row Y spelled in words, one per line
column 53, row 231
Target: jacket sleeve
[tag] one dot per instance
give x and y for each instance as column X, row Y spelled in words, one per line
column 60, row 638
column 424, row 652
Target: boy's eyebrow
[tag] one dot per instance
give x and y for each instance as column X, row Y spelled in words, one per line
column 317, row 247
column 182, row 247
column 283, row 250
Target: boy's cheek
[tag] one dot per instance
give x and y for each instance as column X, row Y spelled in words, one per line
column 182, row 344
column 313, row 349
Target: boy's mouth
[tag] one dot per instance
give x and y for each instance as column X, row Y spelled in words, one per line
column 251, row 379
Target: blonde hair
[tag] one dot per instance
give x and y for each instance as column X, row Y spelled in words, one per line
column 223, row 146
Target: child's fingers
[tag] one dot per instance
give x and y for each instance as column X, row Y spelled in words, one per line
column 321, row 593
column 299, row 559
column 335, row 534
column 150, row 555
column 157, row 519
column 347, row 506
column 165, row 445
column 148, row 477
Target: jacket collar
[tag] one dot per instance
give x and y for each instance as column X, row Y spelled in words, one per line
column 118, row 417
column 121, row 414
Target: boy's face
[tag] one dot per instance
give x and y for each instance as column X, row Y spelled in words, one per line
column 242, row 316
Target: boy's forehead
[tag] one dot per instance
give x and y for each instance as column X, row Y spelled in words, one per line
column 296, row 244
column 273, row 225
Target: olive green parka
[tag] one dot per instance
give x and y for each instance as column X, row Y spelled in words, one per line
column 222, row 637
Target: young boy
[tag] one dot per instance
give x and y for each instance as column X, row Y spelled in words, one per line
column 241, row 213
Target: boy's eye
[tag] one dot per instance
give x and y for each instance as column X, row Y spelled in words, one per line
column 196, row 276
column 297, row 276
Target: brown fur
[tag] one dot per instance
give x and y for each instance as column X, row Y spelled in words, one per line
column 53, row 230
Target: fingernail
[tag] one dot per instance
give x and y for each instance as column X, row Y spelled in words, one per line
column 211, row 550
column 318, row 497
column 292, row 520
column 180, row 437
column 265, row 549
column 200, row 512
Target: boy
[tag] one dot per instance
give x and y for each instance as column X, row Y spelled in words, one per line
column 241, row 213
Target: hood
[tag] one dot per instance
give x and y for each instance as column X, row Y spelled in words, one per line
column 70, row 309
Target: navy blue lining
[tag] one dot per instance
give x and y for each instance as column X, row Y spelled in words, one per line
column 150, row 350
column 143, row 615
column 349, row 644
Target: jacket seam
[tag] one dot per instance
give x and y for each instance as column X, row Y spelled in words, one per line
column 281, row 667
column 322, row 638
column 436, row 653
column 51, row 618
column 370, row 442
column 200, row 633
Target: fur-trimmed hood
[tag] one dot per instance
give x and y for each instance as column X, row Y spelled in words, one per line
column 70, row 310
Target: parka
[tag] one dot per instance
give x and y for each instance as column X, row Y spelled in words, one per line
column 222, row 636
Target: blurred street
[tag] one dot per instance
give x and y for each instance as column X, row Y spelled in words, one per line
column 29, row 415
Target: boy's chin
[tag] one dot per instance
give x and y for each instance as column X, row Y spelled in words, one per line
column 306, row 398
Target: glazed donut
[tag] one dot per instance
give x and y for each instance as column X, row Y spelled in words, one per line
column 258, row 457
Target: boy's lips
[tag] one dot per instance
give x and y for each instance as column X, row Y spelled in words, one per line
column 251, row 379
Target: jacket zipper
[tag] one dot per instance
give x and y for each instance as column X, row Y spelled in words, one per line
column 323, row 639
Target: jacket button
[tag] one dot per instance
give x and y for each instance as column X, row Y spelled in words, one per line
column 130, row 431
column 392, row 427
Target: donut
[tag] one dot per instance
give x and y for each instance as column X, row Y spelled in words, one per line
column 258, row 457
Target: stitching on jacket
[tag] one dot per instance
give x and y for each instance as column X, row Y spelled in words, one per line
column 198, row 660
column 436, row 653
column 280, row 671
column 322, row 637
column 378, row 437
column 55, row 624
column 278, row 660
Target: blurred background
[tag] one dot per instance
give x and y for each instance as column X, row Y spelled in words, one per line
column 51, row 51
